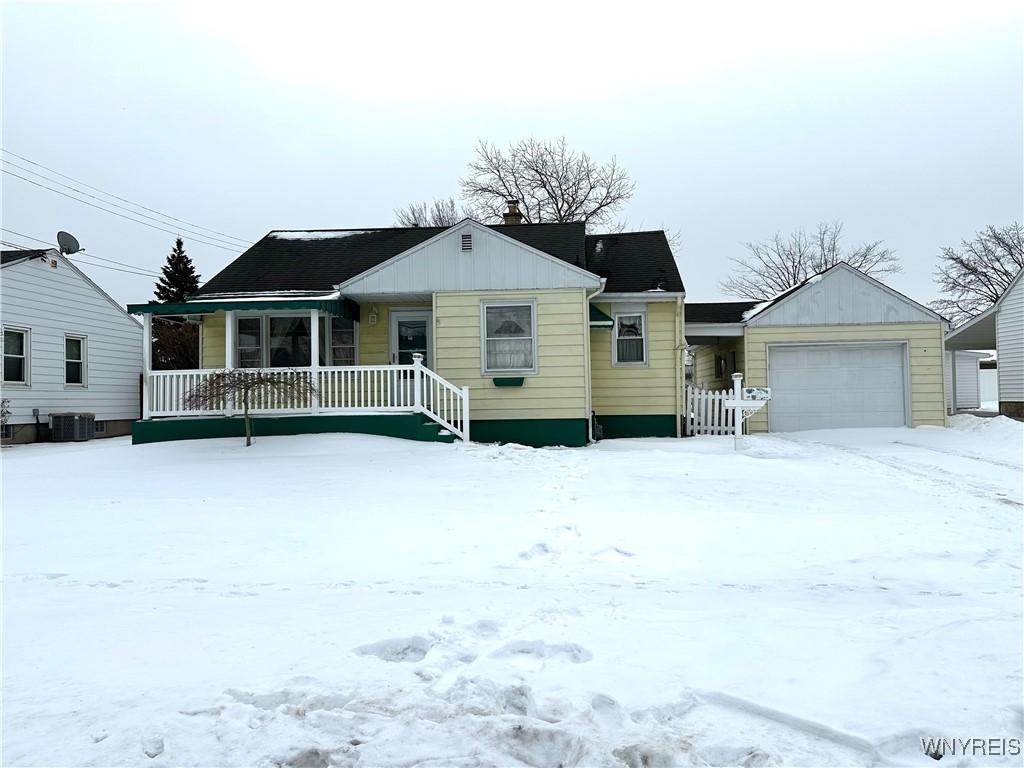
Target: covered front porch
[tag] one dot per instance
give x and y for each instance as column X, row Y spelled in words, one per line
column 277, row 337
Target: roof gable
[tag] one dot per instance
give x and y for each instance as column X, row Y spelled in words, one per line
column 841, row 295
column 495, row 261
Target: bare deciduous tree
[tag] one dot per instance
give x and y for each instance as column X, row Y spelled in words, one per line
column 551, row 182
column 974, row 276
column 442, row 212
column 250, row 386
column 785, row 261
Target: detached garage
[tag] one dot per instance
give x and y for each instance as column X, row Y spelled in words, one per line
column 839, row 350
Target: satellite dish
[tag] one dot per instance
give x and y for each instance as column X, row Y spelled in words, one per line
column 68, row 244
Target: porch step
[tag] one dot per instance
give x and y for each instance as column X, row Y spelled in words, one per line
column 434, row 432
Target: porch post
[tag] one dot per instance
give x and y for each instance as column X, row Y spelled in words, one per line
column 229, row 353
column 465, row 414
column 314, row 359
column 417, row 381
column 147, row 361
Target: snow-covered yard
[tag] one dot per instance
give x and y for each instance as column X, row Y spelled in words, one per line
column 825, row 598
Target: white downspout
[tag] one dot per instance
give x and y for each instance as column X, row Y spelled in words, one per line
column 589, row 388
column 680, row 363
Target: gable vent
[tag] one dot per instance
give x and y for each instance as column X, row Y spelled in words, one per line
column 467, row 241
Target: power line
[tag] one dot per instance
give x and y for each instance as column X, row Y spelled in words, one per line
column 116, row 197
column 115, row 205
column 106, row 266
column 92, row 205
column 15, row 245
column 27, row 237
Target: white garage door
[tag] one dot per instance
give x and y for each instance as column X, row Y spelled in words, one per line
column 836, row 385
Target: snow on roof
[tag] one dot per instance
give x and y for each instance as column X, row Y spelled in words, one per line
column 318, row 234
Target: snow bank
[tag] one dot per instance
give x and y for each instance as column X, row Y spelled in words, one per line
column 318, row 234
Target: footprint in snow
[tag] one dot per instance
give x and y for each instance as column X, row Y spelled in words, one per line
column 538, row 649
column 397, row 649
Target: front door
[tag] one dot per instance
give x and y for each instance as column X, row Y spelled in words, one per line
column 411, row 332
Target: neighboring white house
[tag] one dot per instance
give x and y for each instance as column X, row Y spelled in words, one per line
column 68, row 347
column 1000, row 327
column 963, row 381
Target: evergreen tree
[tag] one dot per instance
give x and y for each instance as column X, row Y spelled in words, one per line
column 179, row 276
column 175, row 342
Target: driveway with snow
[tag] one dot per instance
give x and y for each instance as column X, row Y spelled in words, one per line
column 827, row 598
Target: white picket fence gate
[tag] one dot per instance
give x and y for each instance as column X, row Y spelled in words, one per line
column 706, row 414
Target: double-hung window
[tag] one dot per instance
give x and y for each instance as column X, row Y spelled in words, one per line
column 337, row 341
column 509, row 337
column 630, row 346
column 74, row 361
column 249, row 353
column 16, row 355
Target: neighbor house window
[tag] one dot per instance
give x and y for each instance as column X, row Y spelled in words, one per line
column 510, row 337
column 74, row 361
column 338, row 335
column 630, row 339
column 16, row 356
column 250, row 342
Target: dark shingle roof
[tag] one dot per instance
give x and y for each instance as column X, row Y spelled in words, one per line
column 633, row 261
column 718, row 311
column 6, row 257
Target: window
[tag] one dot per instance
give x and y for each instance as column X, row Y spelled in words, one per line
column 725, row 365
column 17, row 346
column 74, row 361
column 289, row 342
column 509, row 338
column 100, row 427
column 339, row 336
column 630, row 339
column 250, row 346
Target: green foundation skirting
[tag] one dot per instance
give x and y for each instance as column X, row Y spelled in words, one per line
column 410, row 426
column 539, row 433
column 638, row 426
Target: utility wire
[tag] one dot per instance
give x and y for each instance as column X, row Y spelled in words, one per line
column 107, row 266
column 27, row 237
column 92, row 205
column 15, row 245
column 213, row 240
column 116, row 197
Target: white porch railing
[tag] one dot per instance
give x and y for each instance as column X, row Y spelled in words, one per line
column 339, row 390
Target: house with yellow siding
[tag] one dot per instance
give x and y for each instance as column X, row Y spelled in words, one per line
column 838, row 350
column 539, row 334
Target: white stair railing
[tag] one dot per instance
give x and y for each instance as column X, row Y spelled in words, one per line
column 441, row 400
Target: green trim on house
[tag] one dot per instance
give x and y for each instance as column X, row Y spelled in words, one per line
column 345, row 308
column 599, row 319
column 538, row 433
column 638, row 426
column 410, row 426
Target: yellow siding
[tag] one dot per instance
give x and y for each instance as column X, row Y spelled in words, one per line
column 213, row 341
column 925, row 340
column 373, row 339
column 556, row 391
column 704, row 364
column 634, row 391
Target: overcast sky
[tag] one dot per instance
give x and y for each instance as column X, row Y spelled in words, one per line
column 902, row 120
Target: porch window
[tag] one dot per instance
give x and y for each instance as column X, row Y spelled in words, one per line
column 16, row 357
column 510, row 335
column 630, row 339
column 289, row 342
column 74, row 361
column 338, row 337
column 250, row 342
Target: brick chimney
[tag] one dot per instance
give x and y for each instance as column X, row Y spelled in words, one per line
column 512, row 215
